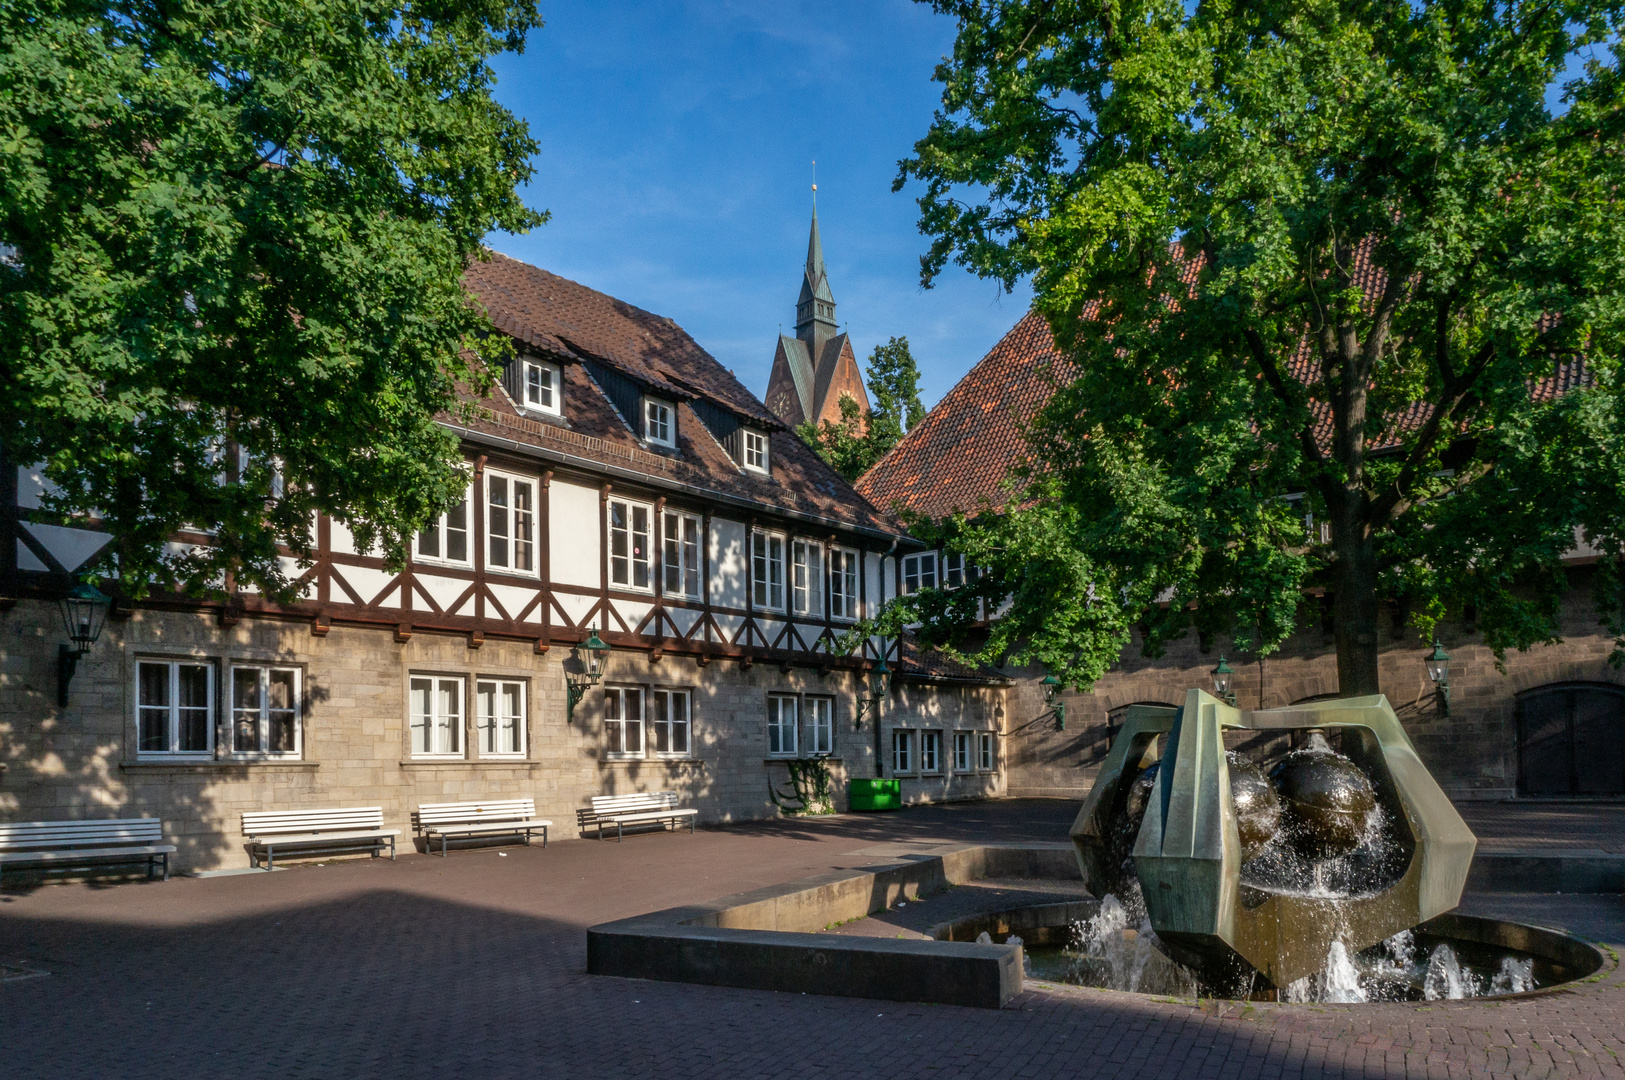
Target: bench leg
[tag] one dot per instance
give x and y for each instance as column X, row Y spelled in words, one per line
column 391, row 849
column 166, row 866
column 544, row 837
column 270, row 858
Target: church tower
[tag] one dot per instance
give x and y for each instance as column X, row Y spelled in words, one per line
column 815, row 369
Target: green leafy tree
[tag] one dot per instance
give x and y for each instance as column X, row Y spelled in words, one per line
column 1303, row 259
column 854, row 445
column 232, row 238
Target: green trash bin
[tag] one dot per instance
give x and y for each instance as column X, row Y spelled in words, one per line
column 875, row 794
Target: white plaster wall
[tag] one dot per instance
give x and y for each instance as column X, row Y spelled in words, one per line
column 573, row 534
column 728, row 563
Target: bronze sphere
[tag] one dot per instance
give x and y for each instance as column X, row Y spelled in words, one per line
column 1257, row 809
column 1328, row 802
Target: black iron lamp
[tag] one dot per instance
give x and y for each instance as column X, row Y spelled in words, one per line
column 879, row 683
column 581, row 672
column 1438, row 664
column 1052, row 697
column 84, row 610
column 1222, row 677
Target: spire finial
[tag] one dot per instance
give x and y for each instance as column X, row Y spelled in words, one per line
column 815, row 187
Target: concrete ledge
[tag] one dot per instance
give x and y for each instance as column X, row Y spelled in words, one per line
column 1578, row 871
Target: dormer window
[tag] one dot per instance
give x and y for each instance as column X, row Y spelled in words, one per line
column 755, row 444
column 659, row 423
column 541, row 389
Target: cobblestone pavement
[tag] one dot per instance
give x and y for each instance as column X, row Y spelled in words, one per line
column 473, row 967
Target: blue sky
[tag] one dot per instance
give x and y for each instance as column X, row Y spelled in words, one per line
column 677, row 147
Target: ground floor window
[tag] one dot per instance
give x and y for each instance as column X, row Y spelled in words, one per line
column 174, row 707
column 902, row 752
column 437, row 716
column 783, row 714
column 962, row 751
column 984, row 751
column 820, row 725
column 670, row 720
column 265, row 710
column 623, row 721
column 501, row 718
column 930, row 751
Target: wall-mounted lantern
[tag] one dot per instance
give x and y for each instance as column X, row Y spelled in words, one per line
column 1438, row 665
column 879, row 683
column 1052, row 697
column 84, row 610
column 1222, row 678
column 581, row 672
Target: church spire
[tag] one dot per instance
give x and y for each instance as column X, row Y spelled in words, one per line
column 815, row 307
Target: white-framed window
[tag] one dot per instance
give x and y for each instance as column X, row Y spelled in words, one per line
column 919, row 572
column 681, row 536
column 807, row 577
column 630, row 550
column 437, row 716
column 755, row 447
column 542, row 388
column 499, row 717
column 783, row 712
column 670, row 722
column 820, row 712
column 984, row 751
column 174, row 707
column 445, row 539
column 843, row 583
column 510, row 523
column 623, row 721
column 902, row 752
column 659, row 422
column 265, row 710
column 930, row 751
column 953, row 570
column 962, row 751
column 767, row 570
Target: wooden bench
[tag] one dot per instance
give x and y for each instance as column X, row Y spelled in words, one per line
column 312, row 831
column 76, row 845
column 644, row 808
column 502, row 817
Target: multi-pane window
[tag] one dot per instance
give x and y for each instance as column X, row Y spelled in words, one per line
column 264, row 710
column 437, row 716
column 755, row 443
column 669, row 720
column 902, row 751
column 446, row 537
column 542, row 392
column 782, row 716
column 623, row 722
column 658, row 423
column 500, row 717
column 510, row 523
column 681, row 534
column 930, row 751
column 984, row 751
column 174, row 707
column 629, row 548
column 953, row 570
column 962, row 751
column 820, row 725
column 767, row 570
column 806, row 578
column 919, row 572
column 843, row 583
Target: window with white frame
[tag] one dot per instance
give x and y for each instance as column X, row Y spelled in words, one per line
column 630, row 551
column 445, row 539
column 783, row 714
column 623, row 721
column 681, row 536
column 510, row 523
column 984, row 751
column 962, row 751
column 265, row 710
column 174, row 707
column 767, row 570
column 902, row 752
column 437, row 716
column 670, row 722
column 500, row 717
column 659, row 422
column 953, row 570
column 807, row 577
column 820, row 712
column 755, row 447
column 843, row 583
column 919, row 572
column 542, row 389
column 930, row 751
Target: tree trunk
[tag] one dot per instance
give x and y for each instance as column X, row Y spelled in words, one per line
column 1356, row 615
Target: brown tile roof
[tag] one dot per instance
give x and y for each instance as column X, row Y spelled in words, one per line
column 568, row 322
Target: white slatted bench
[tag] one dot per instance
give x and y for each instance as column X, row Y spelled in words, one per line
column 501, row 817
column 311, row 831
column 644, row 808
column 77, row 845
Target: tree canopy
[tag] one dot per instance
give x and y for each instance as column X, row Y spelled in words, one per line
column 856, row 443
column 1331, row 261
column 231, row 241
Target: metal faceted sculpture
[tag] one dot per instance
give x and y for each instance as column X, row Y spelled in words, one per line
column 1188, row 852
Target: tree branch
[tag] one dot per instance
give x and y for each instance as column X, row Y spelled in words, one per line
column 1385, row 506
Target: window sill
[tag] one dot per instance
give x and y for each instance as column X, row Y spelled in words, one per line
column 213, row 764
column 467, row 763
column 698, row 763
column 804, row 757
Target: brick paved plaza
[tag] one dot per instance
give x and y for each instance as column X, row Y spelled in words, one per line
column 474, row 967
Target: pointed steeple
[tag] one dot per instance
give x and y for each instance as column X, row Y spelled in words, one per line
column 815, row 307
